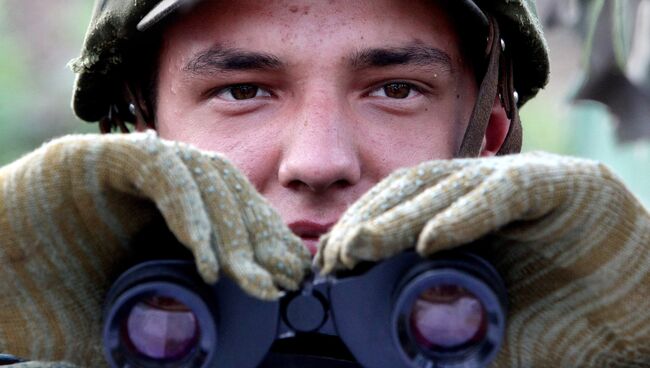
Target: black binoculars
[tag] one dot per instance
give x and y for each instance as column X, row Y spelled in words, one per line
column 407, row 311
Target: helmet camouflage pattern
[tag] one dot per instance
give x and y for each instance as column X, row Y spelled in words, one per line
column 118, row 26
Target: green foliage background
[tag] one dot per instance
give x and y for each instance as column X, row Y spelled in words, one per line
column 37, row 39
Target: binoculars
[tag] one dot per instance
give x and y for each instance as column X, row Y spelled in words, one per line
column 406, row 311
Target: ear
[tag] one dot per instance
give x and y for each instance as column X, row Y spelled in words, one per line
column 496, row 130
column 141, row 126
column 142, row 115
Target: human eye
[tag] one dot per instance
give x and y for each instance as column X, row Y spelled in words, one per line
column 396, row 90
column 240, row 92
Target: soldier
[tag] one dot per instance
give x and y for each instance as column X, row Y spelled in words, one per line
column 294, row 112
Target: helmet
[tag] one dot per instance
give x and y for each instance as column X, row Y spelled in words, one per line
column 119, row 27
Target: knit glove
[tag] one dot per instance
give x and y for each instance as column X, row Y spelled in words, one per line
column 70, row 210
column 570, row 241
column 42, row 365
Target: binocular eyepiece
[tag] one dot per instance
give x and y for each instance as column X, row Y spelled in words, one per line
column 447, row 311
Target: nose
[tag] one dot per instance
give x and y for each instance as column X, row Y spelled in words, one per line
column 320, row 152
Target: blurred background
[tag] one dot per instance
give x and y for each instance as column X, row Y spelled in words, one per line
column 597, row 104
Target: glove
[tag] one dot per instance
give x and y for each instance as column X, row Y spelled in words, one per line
column 42, row 365
column 70, row 210
column 570, row 241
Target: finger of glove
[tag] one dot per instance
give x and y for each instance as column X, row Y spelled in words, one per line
column 141, row 166
column 230, row 237
column 319, row 259
column 275, row 248
column 250, row 276
column 399, row 187
column 278, row 251
column 397, row 229
column 353, row 214
column 498, row 200
column 335, row 249
column 521, row 188
column 42, row 365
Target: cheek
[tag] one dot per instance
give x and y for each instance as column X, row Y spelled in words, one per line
column 254, row 152
column 257, row 162
column 389, row 153
column 393, row 145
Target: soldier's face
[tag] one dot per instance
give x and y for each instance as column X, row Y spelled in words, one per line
column 315, row 101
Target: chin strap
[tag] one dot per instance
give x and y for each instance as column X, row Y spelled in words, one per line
column 498, row 79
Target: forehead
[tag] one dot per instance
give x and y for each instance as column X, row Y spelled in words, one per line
column 326, row 25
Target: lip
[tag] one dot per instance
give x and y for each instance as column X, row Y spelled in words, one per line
column 310, row 232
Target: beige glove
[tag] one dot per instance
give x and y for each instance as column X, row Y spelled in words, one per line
column 570, row 241
column 69, row 212
column 42, row 365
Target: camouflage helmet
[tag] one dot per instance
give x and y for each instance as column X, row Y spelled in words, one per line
column 118, row 27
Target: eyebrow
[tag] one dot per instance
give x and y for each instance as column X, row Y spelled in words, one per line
column 413, row 55
column 219, row 59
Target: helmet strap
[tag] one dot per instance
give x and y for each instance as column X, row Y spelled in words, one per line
column 498, row 79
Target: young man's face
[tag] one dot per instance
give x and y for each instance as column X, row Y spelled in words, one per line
column 315, row 101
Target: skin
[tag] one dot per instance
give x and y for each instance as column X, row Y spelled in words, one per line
column 337, row 96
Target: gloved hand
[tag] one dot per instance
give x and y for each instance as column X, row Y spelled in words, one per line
column 34, row 364
column 570, row 241
column 69, row 212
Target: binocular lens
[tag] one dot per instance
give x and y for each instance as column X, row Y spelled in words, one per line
column 450, row 313
column 156, row 317
column 447, row 317
column 162, row 328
